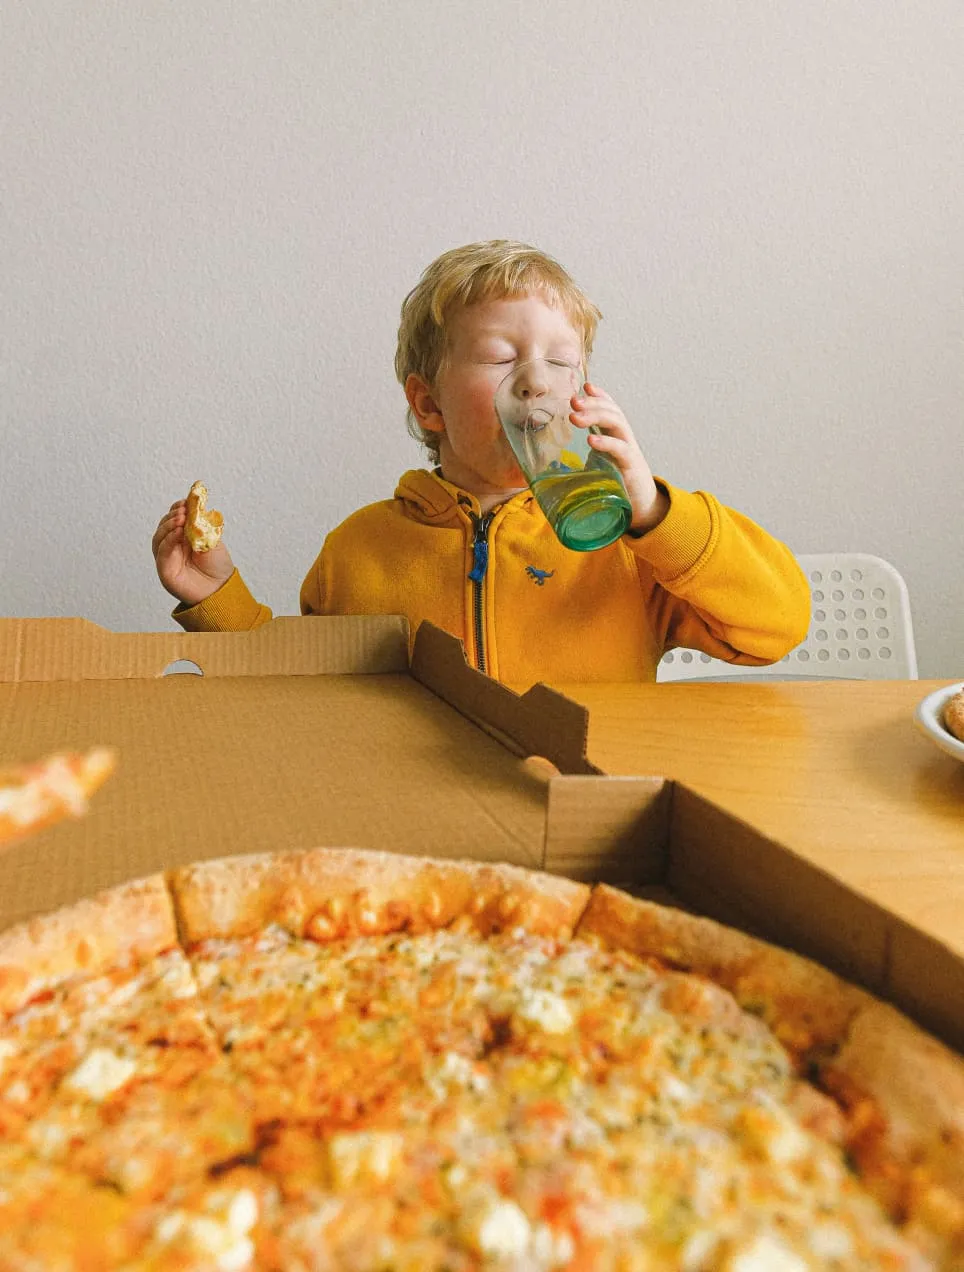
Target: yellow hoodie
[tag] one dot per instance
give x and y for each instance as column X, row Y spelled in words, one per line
column 528, row 609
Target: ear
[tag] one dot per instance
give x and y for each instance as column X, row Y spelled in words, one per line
column 424, row 406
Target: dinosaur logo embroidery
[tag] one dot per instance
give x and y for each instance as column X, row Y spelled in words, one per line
column 539, row 576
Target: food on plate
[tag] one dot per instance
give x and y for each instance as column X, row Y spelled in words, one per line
column 36, row 795
column 340, row 1059
column 203, row 526
column 953, row 715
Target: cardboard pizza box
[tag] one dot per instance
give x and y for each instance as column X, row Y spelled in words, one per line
column 319, row 731
column 300, row 733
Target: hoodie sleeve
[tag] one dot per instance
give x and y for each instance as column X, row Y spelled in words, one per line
column 728, row 588
column 314, row 588
column 231, row 608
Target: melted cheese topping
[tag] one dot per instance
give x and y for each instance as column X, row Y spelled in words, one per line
column 100, row 1074
column 423, row 1103
column 519, row 1104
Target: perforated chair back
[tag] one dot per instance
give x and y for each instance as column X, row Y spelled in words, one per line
column 860, row 629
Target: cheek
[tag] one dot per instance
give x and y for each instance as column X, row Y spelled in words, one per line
column 485, row 403
column 469, row 393
column 478, row 406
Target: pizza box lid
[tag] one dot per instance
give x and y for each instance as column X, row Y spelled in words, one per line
column 321, row 731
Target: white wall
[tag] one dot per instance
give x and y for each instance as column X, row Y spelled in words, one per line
column 211, row 211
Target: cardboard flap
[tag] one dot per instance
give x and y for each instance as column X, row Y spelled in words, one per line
column 722, row 867
column 612, row 831
column 67, row 649
column 538, row 722
column 926, row 980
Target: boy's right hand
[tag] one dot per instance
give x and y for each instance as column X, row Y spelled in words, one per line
column 189, row 576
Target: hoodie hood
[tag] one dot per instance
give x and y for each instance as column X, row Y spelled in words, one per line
column 431, row 499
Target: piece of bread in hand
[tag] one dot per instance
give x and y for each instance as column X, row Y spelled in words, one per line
column 203, row 527
column 954, row 716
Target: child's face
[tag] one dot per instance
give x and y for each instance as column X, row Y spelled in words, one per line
column 485, row 341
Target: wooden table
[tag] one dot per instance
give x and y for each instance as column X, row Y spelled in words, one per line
column 836, row 770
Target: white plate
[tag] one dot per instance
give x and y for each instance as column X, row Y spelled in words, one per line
column 927, row 717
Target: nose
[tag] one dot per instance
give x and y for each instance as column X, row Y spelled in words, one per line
column 532, row 381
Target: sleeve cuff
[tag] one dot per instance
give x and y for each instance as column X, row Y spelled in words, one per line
column 231, row 608
column 681, row 539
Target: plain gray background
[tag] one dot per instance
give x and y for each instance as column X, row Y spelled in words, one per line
column 210, row 213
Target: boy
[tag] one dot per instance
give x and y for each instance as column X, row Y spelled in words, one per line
column 468, row 547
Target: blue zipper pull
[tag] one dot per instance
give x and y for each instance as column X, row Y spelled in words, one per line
column 480, row 550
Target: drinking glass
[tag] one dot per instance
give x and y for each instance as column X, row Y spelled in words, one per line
column 580, row 491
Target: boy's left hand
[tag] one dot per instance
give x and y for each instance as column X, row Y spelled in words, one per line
column 617, row 442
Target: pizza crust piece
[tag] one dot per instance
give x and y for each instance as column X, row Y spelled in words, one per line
column 333, row 893
column 204, row 525
column 34, row 796
column 132, row 922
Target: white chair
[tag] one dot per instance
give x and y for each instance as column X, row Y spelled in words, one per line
column 860, row 629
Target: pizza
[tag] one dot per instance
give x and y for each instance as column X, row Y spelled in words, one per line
column 33, row 796
column 341, row 1059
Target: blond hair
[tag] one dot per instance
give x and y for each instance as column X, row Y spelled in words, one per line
column 463, row 276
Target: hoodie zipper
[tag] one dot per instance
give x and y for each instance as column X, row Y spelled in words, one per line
column 480, row 564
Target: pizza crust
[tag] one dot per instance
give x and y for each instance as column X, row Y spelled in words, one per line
column 132, row 922
column 807, row 1007
column 331, row 893
column 914, row 1081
